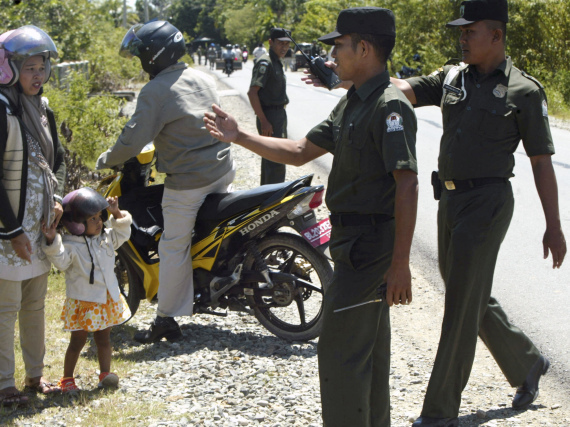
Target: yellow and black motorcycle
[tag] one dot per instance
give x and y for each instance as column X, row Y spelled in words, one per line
column 261, row 251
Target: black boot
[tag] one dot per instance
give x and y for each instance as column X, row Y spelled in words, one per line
column 528, row 392
column 162, row 327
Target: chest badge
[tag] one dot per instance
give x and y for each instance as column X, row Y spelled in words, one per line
column 500, row 91
column 394, row 123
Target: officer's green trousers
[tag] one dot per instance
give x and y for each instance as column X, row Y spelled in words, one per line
column 471, row 226
column 354, row 346
column 272, row 172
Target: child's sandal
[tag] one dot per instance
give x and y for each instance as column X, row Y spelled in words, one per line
column 67, row 385
column 108, row 379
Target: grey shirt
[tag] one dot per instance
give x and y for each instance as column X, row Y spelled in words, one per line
column 170, row 110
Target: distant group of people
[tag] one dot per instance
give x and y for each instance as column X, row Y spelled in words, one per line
column 372, row 194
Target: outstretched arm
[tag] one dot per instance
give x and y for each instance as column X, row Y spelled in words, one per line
column 545, row 181
column 405, row 87
column 224, row 127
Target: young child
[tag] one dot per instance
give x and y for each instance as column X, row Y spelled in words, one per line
column 93, row 301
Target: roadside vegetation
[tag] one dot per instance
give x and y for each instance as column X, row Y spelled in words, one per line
column 538, row 41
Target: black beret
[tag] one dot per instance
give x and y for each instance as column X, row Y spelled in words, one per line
column 479, row 10
column 363, row 20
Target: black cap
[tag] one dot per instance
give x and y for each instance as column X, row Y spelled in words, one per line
column 280, row 34
column 478, row 10
column 363, row 20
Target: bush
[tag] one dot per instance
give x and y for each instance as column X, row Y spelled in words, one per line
column 94, row 121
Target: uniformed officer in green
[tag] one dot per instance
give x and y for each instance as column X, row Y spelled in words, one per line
column 372, row 195
column 488, row 106
column 268, row 98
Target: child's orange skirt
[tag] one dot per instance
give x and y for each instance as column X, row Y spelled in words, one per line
column 93, row 316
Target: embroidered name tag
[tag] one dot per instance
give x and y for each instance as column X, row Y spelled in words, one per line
column 453, row 89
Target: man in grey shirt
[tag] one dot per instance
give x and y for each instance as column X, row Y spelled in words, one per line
column 169, row 112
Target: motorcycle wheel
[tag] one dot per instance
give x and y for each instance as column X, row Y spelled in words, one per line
column 129, row 283
column 294, row 314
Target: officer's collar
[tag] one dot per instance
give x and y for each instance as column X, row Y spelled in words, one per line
column 504, row 68
column 370, row 85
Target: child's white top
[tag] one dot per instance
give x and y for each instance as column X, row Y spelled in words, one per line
column 72, row 256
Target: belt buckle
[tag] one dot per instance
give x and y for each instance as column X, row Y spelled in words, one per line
column 449, row 185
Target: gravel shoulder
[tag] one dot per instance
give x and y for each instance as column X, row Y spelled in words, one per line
column 232, row 372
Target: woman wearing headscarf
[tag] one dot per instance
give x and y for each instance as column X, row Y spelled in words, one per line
column 32, row 172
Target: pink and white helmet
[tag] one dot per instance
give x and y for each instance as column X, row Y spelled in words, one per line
column 18, row 45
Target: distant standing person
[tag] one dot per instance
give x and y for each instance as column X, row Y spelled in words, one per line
column 488, row 107
column 268, row 99
column 259, row 50
column 199, row 53
column 212, row 56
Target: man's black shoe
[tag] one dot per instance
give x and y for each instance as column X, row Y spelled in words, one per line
column 528, row 392
column 435, row 422
column 162, row 327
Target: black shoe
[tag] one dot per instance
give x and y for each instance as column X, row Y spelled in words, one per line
column 435, row 422
column 162, row 327
column 528, row 392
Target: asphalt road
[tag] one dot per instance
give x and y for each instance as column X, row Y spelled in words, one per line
column 536, row 297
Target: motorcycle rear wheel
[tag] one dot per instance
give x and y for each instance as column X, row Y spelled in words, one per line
column 129, row 283
column 298, row 317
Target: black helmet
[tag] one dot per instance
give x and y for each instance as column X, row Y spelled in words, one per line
column 79, row 205
column 158, row 44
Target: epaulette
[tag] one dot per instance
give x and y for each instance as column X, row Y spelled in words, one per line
column 531, row 78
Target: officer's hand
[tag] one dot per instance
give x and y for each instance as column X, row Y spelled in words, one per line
column 22, row 246
column 399, row 280
column 554, row 242
column 311, row 79
column 266, row 127
column 221, row 125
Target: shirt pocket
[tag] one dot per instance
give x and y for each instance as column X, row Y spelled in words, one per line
column 352, row 143
column 496, row 122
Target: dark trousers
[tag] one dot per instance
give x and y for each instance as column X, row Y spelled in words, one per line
column 354, row 345
column 272, row 172
column 471, row 226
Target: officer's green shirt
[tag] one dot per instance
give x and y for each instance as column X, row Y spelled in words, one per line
column 268, row 74
column 371, row 132
column 482, row 131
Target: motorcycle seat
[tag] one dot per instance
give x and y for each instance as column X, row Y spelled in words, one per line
column 219, row 206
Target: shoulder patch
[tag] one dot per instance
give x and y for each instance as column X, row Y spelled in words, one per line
column 263, row 67
column 544, row 108
column 394, row 123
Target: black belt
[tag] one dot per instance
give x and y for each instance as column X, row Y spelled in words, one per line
column 273, row 107
column 466, row 184
column 347, row 220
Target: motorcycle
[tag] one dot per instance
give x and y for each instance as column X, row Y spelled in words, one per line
column 229, row 67
column 243, row 255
